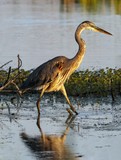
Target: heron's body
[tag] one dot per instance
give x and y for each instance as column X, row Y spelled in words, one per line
column 52, row 75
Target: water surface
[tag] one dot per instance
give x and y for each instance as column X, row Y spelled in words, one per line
column 94, row 134
column 39, row 30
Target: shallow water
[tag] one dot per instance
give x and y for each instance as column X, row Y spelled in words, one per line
column 42, row 29
column 94, row 134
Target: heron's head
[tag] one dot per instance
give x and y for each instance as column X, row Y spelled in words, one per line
column 91, row 26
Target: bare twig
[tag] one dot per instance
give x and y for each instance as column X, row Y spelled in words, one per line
column 18, row 89
column 8, row 76
column 19, row 62
column 12, row 81
column 5, row 64
column 9, row 82
column 19, row 65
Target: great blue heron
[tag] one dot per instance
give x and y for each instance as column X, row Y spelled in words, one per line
column 52, row 75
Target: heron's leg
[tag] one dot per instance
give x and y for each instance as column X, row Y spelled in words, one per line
column 38, row 101
column 38, row 108
column 63, row 90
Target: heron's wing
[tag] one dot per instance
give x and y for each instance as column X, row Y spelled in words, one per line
column 45, row 73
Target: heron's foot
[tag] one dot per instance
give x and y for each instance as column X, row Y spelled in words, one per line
column 73, row 109
column 69, row 111
column 76, row 112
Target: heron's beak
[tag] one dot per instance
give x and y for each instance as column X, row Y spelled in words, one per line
column 97, row 29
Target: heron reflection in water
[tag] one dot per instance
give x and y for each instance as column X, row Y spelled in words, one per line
column 52, row 75
column 49, row 147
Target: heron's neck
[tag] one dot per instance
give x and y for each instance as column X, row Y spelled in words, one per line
column 82, row 47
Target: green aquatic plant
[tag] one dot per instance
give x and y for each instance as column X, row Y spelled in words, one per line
column 100, row 82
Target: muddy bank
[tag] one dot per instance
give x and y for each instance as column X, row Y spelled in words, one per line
column 94, row 134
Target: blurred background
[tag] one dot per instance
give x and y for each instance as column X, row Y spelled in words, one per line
column 39, row 30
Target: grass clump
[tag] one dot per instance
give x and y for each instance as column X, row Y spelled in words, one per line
column 99, row 82
column 82, row 83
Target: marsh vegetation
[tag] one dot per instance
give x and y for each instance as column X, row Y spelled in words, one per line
column 102, row 82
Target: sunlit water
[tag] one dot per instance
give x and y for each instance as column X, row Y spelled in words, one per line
column 39, row 30
column 94, row 134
